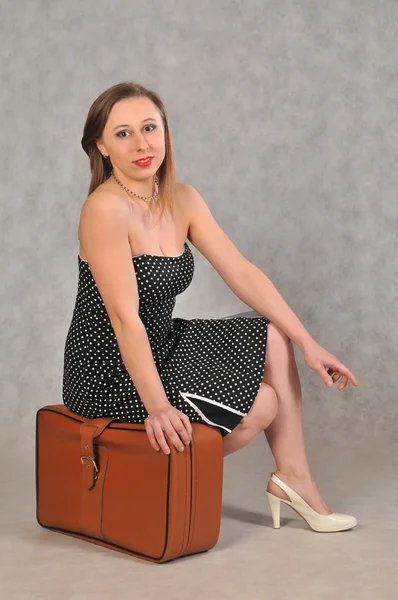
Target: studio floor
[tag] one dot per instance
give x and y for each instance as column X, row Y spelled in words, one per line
column 251, row 560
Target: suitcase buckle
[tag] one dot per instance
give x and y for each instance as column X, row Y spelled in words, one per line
column 94, row 464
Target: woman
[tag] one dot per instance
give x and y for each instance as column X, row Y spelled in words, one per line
column 133, row 261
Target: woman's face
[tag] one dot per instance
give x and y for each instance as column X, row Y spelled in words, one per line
column 134, row 130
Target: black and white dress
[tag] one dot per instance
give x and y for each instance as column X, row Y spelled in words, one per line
column 211, row 369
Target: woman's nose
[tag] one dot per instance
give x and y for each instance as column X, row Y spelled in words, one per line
column 142, row 144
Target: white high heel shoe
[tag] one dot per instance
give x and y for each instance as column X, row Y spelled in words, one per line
column 317, row 522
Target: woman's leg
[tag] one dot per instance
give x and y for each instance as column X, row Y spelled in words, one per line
column 262, row 412
column 285, row 433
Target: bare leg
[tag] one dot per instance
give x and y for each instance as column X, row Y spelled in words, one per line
column 258, row 418
column 285, row 433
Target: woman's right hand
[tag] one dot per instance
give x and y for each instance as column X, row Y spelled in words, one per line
column 168, row 419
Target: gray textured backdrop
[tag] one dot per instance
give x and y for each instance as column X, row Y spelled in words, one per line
column 283, row 116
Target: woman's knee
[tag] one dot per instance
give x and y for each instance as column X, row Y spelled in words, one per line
column 278, row 354
column 263, row 410
column 277, row 340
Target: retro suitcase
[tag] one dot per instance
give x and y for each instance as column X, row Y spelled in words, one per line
column 100, row 480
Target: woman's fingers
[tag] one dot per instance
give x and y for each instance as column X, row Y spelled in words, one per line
column 170, row 430
column 340, row 370
column 159, row 433
column 347, row 375
column 179, row 423
column 343, row 383
column 335, row 375
column 188, row 425
column 151, row 437
column 177, row 432
column 352, row 378
column 177, row 427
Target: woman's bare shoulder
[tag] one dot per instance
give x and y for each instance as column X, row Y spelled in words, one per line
column 183, row 194
column 105, row 202
column 102, row 194
column 105, row 198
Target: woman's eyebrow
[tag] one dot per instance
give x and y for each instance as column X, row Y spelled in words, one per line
column 128, row 125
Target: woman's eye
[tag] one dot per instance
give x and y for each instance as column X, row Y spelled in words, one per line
column 119, row 134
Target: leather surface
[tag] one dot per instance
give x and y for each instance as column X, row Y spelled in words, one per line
column 100, row 480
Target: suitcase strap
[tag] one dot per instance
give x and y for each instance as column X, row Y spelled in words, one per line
column 90, row 429
column 94, row 459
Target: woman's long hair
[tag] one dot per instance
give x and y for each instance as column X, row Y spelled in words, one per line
column 101, row 167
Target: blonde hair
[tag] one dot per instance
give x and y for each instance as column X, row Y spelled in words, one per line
column 101, row 167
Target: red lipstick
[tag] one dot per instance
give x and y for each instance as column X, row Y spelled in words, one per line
column 144, row 162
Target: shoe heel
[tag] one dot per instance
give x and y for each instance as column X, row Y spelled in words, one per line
column 275, row 506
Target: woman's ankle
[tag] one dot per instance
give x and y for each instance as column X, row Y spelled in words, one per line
column 293, row 476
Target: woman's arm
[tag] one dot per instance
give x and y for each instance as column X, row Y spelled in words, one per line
column 104, row 237
column 104, row 225
column 244, row 278
column 258, row 292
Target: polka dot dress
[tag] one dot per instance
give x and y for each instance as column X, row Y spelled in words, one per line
column 211, row 369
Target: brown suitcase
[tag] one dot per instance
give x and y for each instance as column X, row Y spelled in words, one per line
column 100, row 480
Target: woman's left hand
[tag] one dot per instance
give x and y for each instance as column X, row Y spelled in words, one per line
column 328, row 367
